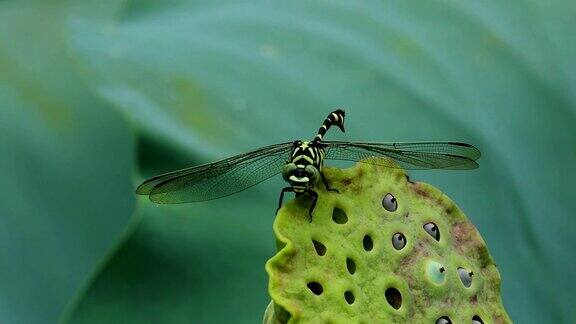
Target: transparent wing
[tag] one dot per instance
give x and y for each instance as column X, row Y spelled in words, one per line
column 217, row 179
column 418, row 155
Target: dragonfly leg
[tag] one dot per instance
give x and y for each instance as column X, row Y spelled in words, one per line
column 326, row 183
column 314, row 196
column 287, row 189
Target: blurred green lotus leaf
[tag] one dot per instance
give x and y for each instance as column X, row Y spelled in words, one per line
column 214, row 78
column 66, row 166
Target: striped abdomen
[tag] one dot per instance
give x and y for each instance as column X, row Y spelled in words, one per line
column 335, row 118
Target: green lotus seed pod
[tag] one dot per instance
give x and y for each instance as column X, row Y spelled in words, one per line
column 382, row 250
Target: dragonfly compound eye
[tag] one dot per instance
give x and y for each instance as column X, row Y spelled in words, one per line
column 312, row 173
column 288, row 170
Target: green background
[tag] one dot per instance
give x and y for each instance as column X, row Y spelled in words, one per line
column 97, row 95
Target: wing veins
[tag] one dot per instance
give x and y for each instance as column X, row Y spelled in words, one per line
column 202, row 182
column 410, row 155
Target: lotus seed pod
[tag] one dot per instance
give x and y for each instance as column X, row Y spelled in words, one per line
column 382, row 250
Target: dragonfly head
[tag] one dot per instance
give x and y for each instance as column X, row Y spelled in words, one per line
column 300, row 175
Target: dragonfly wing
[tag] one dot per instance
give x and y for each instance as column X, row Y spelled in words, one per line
column 417, row 155
column 217, row 179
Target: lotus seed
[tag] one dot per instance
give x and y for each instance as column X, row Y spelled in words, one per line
column 433, row 230
column 389, row 202
column 444, row 320
column 465, row 277
column 398, row 241
column 436, row 272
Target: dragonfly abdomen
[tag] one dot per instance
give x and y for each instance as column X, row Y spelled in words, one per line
column 335, row 118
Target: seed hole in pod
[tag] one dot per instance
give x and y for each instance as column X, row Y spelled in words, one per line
column 477, row 320
column 316, row 288
column 393, row 297
column 444, row 320
column 433, row 230
column 436, row 272
column 398, row 241
column 350, row 265
column 339, row 216
column 319, row 247
column 349, row 296
column 390, row 203
column 465, row 277
column 367, row 242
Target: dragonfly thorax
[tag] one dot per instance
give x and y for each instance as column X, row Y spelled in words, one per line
column 307, row 153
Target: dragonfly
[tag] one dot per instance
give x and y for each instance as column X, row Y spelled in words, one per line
column 301, row 165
